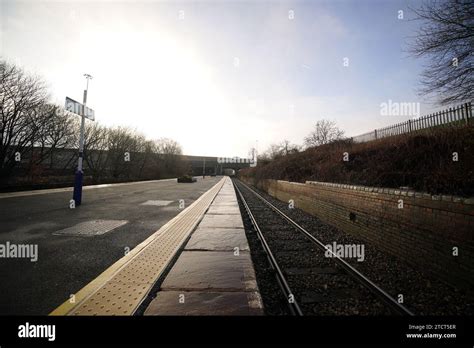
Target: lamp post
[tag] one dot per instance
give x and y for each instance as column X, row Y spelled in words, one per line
column 204, row 168
column 77, row 195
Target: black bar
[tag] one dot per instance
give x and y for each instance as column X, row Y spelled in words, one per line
column 238, row 330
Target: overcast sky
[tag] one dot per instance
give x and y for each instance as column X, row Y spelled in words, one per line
column 218, row 76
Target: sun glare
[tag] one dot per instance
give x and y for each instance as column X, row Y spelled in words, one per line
column 166, row 85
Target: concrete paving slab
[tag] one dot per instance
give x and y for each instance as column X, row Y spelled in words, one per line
column 205, row 303
column 224, row 210
column 228, row 204
column 216, row 270
column 219, row 239
column 229, row 221
column 225, row 199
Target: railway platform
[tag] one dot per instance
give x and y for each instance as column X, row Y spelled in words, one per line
column 196, row 264
column 214, row 274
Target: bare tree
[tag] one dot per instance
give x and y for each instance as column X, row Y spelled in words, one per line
column 62, row 129
column 54, row 129
column 288, row 148
column 264, row 157
column 324, row 132
column 168, row 146
column 274, row 151
column 21, row 95
column 446, row 37
column 278, row 150
column 146, row 167
column 121, row 144
column 170, row 159
column 29, row 125
column 252, row 153
column 96, row 142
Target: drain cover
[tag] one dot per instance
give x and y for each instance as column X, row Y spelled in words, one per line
column 158, row 203
column 91, row 228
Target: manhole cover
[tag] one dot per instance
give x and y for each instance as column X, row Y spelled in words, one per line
column 158, row 203
column 91, row 228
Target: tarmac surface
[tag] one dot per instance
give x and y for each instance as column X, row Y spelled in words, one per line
column 76, row 245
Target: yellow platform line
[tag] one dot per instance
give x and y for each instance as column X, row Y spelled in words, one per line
column 122, row 287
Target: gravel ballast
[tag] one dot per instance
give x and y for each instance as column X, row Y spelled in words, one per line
column 311, row 274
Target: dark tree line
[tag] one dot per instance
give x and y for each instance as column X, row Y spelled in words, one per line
column 35, row 134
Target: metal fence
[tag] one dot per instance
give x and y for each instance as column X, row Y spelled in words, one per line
column 459, row 114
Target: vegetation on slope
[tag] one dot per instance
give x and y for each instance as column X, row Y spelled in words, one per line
column 436, row 161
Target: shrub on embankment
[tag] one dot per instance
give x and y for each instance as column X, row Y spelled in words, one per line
column 424, row 161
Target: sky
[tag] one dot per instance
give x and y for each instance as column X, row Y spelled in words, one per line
column 221, row 77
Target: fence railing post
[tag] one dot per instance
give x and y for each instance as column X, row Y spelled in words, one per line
column 466, row 113
column 447, row 116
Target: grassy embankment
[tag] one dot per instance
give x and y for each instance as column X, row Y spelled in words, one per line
column 422, row 161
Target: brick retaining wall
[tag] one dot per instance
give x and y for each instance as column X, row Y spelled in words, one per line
column 423, row 232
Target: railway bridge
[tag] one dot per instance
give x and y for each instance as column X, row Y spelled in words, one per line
column 209, row 165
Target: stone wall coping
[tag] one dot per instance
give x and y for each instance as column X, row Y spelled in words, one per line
column 293, row 183
column 395, row 192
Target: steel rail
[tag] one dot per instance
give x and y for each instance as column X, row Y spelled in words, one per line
column 370, row 285
column 292, row 304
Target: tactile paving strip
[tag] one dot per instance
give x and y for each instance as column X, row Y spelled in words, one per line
column 123, row 292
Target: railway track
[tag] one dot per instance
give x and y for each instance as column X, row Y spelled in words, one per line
column 312, row 283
